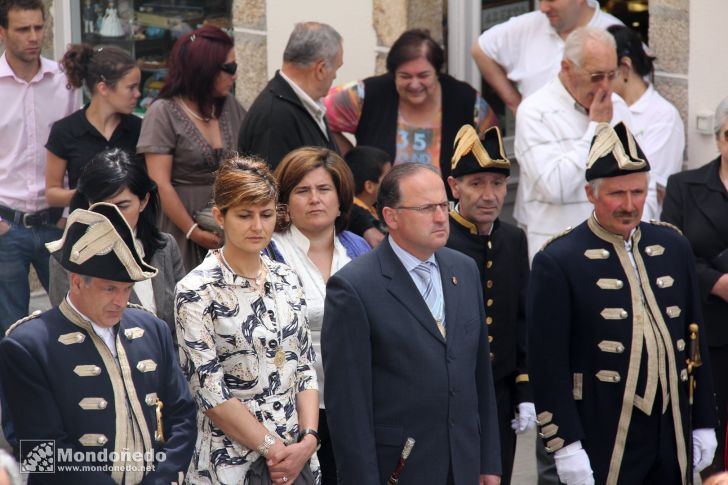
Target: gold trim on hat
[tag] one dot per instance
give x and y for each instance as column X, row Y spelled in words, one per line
column 467, row 140
column 607, row 141
column 101, row 238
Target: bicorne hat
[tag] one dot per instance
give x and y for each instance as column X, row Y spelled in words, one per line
column 471, row 155
column 614, row 152
column 98, row 242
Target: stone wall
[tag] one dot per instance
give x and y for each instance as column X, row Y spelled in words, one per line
column 392, row 17
column 669, row 39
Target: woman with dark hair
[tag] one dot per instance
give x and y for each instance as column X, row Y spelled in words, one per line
column 317, row 188
column 696, row 201
column 188, row 131
column 656, row 124
column 113, row 176
column 112, row 79
column 246, row 346
column 413, row 111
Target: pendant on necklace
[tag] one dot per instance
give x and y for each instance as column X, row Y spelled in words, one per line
column 280, row 358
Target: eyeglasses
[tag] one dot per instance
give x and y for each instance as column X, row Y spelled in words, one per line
column 429, row 209
column 230, row 68
column 597, row 77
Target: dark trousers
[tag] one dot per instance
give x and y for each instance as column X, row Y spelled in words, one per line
column 650, row 454
column 506, row 405
column 326, row 452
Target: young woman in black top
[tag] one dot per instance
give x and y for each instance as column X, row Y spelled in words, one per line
column 112, row 79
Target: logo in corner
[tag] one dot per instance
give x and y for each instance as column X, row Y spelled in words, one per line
column 40, row 456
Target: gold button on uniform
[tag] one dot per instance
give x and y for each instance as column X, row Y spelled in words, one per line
column 488, row 320
column 489, row 264
column 489, row 302
column 489, row 284
column 490, row 338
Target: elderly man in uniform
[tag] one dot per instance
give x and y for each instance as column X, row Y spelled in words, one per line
column 95, row 377
column 478, row 181
column 610, row 310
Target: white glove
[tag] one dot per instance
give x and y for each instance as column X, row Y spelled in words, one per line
column 572, row 465
column 525, row 419
column 704, row 445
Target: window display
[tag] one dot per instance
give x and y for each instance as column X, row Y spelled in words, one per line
column 148, row 29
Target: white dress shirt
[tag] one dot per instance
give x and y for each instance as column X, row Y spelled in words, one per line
column 293, row 246
column 105, row 333
column 553, row 137
column 28, row 111
column 529, row 49
column 659, row 131
column 410, row 262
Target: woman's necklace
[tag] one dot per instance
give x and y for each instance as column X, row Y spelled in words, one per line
column 195, row 115
column 280, row 357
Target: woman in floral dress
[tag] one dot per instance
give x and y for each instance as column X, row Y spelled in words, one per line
column 245, row 346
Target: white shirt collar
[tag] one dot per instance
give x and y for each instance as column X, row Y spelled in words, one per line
column 105, row 333
column 409, row 261
column 316, row 108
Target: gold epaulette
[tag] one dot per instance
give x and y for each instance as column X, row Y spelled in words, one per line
column 655, row 222
column 137, row 306
column 32, row 316
column 554, row 238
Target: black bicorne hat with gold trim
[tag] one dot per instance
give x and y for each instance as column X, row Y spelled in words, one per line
column 98, row 242
column 471, row 155
column 614, row 152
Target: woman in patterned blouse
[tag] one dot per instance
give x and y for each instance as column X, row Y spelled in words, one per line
column 245, row 346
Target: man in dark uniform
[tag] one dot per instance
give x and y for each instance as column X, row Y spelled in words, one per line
column 93, row 383
column 610, row 306
column 478, row 181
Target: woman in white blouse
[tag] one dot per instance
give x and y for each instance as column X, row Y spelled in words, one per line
column 656, row 124
column 318, row 188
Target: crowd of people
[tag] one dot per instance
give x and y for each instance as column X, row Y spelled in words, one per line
column 322, row 290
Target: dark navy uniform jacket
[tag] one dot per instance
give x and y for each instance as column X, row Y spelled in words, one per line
column 62, row 383
column 502, row 259
column 589, row 358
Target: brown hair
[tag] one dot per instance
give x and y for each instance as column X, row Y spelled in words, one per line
column 243, row 181
column 413, row 44
column 84, row 64
column 298, row 163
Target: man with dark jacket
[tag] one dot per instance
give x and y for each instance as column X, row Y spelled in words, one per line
column 478, row 179
column 288, row 113
column 93, row 386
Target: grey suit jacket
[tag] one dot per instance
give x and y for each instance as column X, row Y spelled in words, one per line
column 167, row 260
column 390, row 374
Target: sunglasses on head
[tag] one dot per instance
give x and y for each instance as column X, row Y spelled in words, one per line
column 229, row 68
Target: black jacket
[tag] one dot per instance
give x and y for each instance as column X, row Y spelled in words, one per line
column 277, row 123
column 502, row 259
column 697, row 202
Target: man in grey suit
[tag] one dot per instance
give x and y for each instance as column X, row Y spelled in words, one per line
column 405, row 350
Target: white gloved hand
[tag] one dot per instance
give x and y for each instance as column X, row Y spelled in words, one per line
column 572, row 465
column 525, row 419
column 704, row 445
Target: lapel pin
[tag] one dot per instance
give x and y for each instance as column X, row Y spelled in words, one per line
column 454, row 280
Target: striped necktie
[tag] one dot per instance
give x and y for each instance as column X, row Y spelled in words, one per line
column 434, row 301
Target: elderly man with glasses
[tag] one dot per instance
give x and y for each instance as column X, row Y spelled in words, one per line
column 553, row 130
